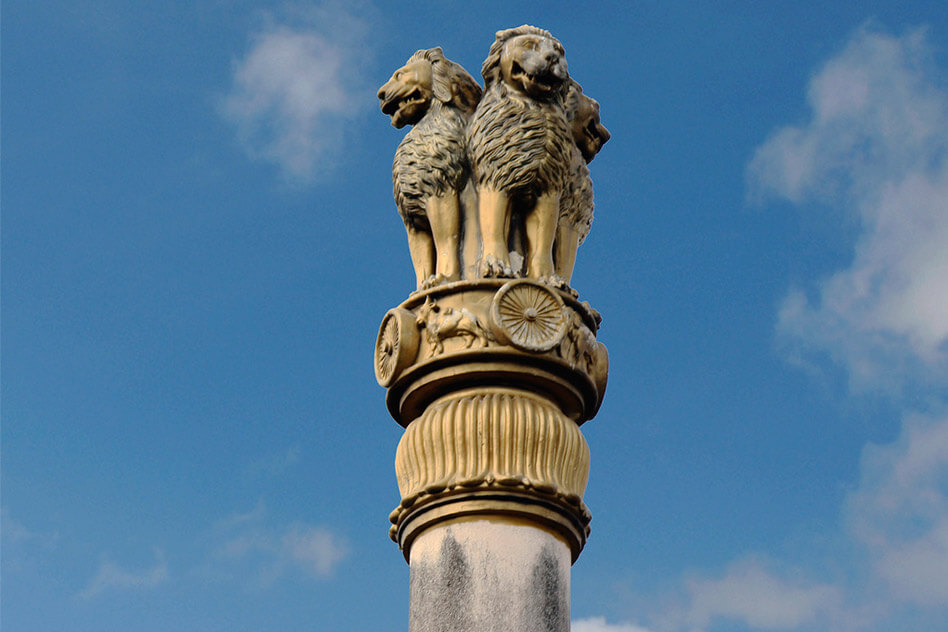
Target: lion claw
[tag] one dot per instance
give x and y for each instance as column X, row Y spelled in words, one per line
column 558, row 282
column 493, row 267
column 434, row 280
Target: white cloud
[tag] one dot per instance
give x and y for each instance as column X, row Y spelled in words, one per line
column 111, row 577
column 900, row 511
column 751, row 593
column 315, row 550
column 249, row 547
column 16, row 534
column 297, row 88
column 876, row 145
column 22, row 547
column 598, row 624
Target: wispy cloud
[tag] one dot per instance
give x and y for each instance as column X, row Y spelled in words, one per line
column 900, row 511
column 599, row 624
column 111, row 577
column 298, row 87
column 15, row 533
column 876, row 144
column 23, row 547
column 315, row 550
column 273, row 464
column 752, row 593
column 250, row 547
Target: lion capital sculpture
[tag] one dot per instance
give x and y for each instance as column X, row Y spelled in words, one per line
column 576, row 205
column 520, row 146
column 436, row 96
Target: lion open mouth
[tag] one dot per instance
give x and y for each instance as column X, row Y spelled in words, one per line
column 401, row 107
column 592, row 133
column 535, row 83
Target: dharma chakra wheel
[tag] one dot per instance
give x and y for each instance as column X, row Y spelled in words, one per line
column 528, row 316
column 396, row 345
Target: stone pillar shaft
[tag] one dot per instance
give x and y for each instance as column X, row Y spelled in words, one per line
column 489, row 575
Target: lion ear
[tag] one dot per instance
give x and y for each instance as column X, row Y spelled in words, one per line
column 490, row 69
column 465, row 92
column 468, row 94
column 441, row 81
column 440, row 74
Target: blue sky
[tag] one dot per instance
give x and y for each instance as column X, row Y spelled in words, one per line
column 199, row 242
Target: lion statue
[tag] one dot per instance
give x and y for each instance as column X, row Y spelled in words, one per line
column 520, row 145
column 576, row 205
column 437, row 97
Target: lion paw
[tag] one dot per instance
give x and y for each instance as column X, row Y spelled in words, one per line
column 558, row 282
column 435, row 280
column 492, row 266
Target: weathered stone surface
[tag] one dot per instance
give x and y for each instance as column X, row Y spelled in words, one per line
column 489, row 575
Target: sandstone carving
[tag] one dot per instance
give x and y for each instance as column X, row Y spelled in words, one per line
column 492, row 364
column 497, row 439
column 396, row 345
column 579, row 346
column 494, row 183
column 576, row 205
column 441, row 323
column 528, row 316
column 430, row 169
column 520, row 146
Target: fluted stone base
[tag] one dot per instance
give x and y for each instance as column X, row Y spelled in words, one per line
column 492, row 451
column 489, row 575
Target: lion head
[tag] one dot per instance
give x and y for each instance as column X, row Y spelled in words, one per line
column 529, row 60
column 427, row 74
column 589, row 133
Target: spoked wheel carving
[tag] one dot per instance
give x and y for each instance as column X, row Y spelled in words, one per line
column 396, row 345
column 528, row 316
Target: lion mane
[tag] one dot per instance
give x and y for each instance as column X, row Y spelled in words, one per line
column 576, row 205
column 518, row 144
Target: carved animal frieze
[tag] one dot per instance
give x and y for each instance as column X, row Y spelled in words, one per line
column 579, row 346
column 442, row 322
